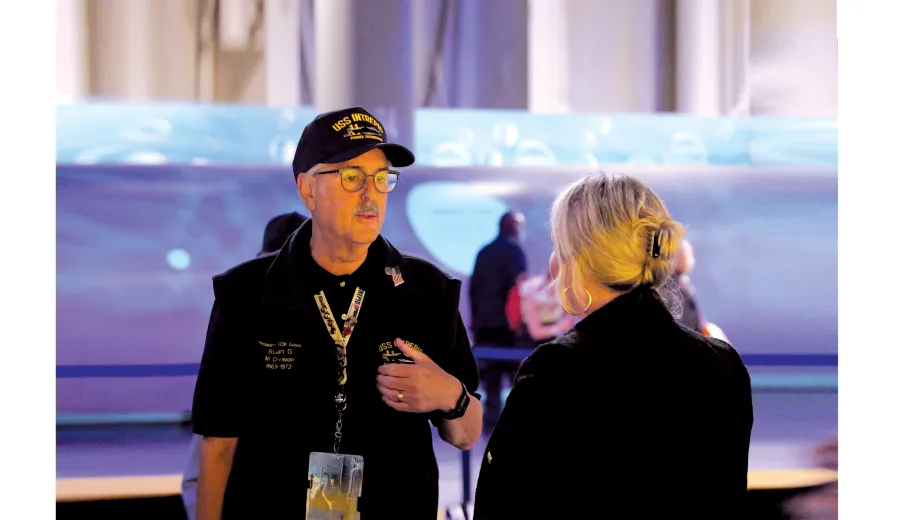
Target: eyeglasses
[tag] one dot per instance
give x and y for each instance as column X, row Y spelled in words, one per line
column 353, row 179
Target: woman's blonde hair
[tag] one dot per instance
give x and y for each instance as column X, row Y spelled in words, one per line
column 614, row 230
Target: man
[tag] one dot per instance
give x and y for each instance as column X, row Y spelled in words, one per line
column 277, row 231
column 285, row 374
column 499, row 267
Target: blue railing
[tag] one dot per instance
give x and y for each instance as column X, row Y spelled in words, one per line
column 760, row 381
column 823, row 381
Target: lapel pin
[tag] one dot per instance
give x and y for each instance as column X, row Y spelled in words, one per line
column 395, row 274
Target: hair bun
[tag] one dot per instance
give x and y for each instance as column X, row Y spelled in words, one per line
column 663, row 240
column 666, row 239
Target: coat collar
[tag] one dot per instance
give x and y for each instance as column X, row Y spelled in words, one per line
column 639, row 308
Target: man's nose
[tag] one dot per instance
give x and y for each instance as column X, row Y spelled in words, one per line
column 368, row 185
column 370, row 192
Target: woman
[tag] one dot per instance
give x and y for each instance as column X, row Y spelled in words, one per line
column 628, row 412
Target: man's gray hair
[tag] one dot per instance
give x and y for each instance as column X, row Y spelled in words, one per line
column 325, row 166
column 315, row 169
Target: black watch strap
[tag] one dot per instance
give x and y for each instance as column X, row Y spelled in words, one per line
column 461, row 405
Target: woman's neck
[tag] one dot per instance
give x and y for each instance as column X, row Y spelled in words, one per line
column 600, row 296
column 337, row 257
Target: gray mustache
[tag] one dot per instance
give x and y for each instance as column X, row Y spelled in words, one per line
column 367, row 207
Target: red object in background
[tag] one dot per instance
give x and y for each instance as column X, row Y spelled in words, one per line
column 512, row 308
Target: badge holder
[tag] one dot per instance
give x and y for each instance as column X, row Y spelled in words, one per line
column 335, row 483
column 335, row 480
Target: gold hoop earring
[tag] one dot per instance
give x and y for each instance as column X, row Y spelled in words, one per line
column 564, row 304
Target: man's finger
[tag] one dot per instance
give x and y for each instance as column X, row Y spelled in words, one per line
column 395, row 383
column 391, row 393
column 411, row 352
column 401, row 407
column 396, row 370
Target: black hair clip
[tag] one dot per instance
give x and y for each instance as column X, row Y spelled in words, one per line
column 655, row 249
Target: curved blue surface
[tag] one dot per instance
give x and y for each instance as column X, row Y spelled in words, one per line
column 434, row 207
column 134, row 274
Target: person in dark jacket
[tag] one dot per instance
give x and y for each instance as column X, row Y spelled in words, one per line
column 499, row 267
column 629, row 414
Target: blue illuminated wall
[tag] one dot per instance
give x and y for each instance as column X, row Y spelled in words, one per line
column 508, row 138
column 200, row 134
column 137, row 244
column 128, row 133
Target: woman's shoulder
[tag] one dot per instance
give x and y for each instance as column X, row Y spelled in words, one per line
column 550, row 357
column 716, row 360
column 710, row 347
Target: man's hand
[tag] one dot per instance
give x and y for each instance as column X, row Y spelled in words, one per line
column 420, row 387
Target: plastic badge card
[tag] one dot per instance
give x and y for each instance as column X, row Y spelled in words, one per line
column 335, row 485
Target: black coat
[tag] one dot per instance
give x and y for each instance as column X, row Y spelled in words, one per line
column 630, row 413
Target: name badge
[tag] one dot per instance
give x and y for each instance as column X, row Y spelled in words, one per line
column 335, row 483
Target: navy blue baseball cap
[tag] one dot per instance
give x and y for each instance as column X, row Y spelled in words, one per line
column 341, row 135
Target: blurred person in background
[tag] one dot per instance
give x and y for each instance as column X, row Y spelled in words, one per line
column 820, row 504
column 692, row 316
column 499, row 267
column 275, row 234
column 637, row 412
column 278, row 230
column 277, row 381
column 535, row 311
column 826, row 454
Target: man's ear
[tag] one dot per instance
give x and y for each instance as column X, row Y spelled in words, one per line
column 306, row 189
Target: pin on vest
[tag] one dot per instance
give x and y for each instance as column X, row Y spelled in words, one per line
column 395, row 274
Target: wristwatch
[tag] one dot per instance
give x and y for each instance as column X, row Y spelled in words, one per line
column 461, row 405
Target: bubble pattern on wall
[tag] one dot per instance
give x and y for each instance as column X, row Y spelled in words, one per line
column 112, row 133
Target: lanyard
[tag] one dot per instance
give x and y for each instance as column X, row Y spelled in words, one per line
column 341, row 340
